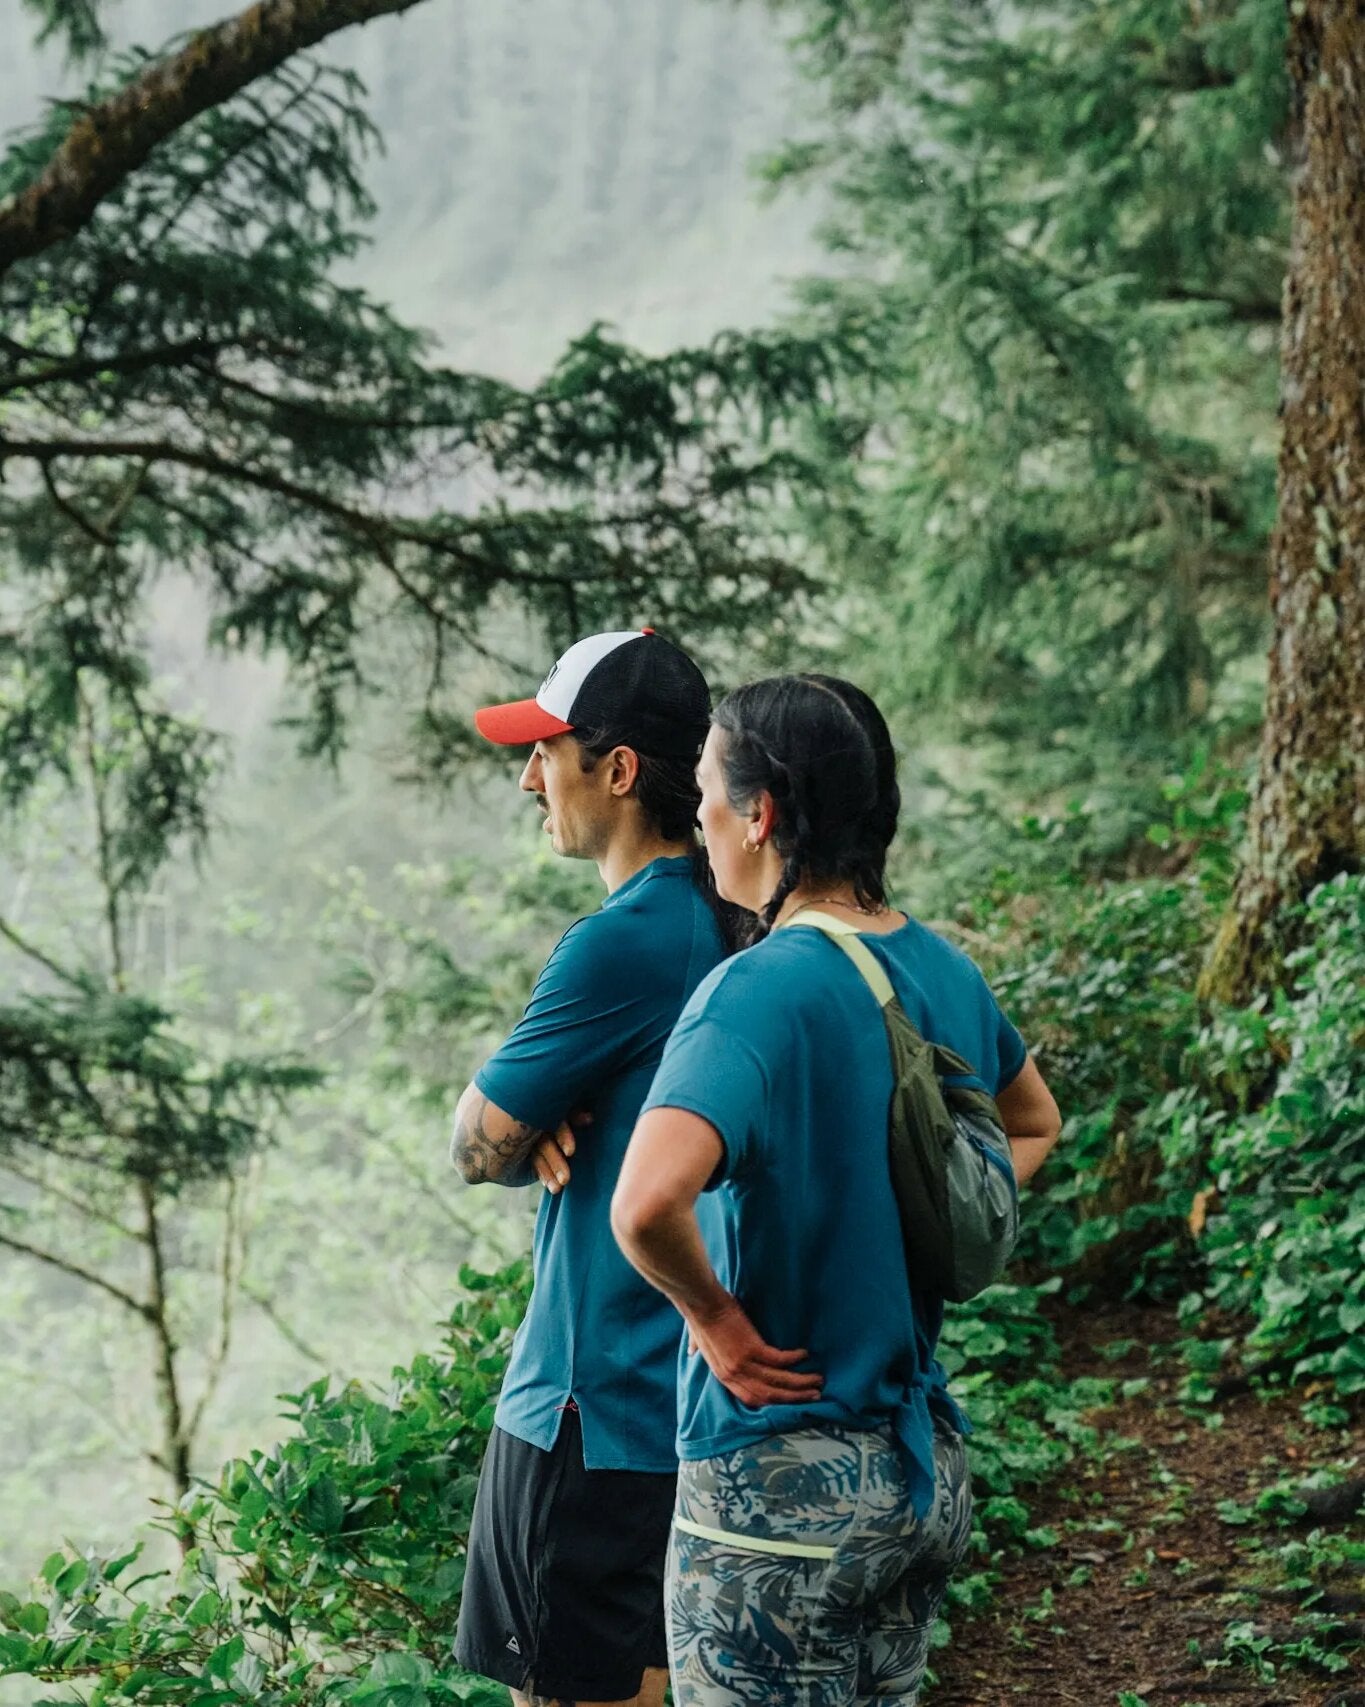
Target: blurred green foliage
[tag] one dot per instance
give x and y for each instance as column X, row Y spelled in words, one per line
column 1282, row 1149
column 327, row 1567
column 1057, row 239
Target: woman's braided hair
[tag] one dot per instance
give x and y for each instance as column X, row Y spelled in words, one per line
column 821, row 748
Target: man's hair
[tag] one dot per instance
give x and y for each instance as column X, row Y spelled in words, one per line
column 667, row 793
column 821, row 748
column 666, row 789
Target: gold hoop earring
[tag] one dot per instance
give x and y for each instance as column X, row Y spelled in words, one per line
column 752, row 847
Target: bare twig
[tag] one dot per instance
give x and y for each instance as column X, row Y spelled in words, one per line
column 87, row 1276
column 72, row 1199
column 21, row 942
column 228, row 1273
column 289, row 1334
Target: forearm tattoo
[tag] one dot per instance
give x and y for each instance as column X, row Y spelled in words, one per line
column 503, row 1157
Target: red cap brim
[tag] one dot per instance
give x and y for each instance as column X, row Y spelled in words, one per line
column 518, row 724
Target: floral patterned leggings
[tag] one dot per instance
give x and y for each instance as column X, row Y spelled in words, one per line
column 799, row 1574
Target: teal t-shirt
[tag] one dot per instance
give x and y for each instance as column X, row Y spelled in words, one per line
column 591, row 1038
column 783, row 1050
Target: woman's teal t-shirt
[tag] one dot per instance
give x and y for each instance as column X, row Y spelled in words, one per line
column 783, row 1050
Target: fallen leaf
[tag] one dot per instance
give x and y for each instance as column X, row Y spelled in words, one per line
column 1204, row 1201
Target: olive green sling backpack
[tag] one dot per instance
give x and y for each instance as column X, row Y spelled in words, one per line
column 951, row 1168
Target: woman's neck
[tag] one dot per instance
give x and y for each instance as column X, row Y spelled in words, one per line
column 838, row 898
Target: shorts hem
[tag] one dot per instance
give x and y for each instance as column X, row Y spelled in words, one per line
column 511, row 1670
column 529, row 1679
column 584, row 1689
column 539, row 1546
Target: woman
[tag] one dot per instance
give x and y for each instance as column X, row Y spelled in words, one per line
column 824, row 1497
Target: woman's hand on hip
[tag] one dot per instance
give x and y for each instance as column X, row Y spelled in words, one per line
column 755, row 1372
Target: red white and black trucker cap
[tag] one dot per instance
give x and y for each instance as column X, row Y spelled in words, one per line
column 631, row 684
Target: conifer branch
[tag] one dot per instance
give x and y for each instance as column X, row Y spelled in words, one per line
column 380, row 532
column 187, row 353
column 377, row 529
column 109, row 141
column 72, row 513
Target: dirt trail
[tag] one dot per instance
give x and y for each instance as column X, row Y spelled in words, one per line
column 1077, row 1624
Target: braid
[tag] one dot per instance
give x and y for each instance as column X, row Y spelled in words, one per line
column 792, row 825
column 791, row 876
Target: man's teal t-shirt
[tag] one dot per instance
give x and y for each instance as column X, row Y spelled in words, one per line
column 783, row 1050
column 591, row 1039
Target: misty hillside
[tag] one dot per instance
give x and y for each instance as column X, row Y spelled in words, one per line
column 548, row 163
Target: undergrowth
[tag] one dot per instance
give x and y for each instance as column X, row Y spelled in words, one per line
column 1217, row 1159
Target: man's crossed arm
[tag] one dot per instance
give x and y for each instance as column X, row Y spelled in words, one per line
column 489, row 1145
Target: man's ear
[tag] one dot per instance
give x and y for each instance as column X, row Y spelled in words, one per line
column 624, row 770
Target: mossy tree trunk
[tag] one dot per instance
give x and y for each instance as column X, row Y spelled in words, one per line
column 1307, row 820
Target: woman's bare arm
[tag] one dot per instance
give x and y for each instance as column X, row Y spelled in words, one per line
column 671, row 1156
column 1032, row 1119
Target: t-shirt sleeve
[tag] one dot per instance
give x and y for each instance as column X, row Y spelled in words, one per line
column 710, row 1070
column 988, row 1039
column 1011, row 1049
column 585, row 1018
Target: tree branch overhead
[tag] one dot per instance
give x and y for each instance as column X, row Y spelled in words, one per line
column 110, row 140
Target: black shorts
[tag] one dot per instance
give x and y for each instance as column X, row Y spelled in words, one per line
column 564, row 1589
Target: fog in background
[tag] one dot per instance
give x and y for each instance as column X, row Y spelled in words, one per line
column 548, row 163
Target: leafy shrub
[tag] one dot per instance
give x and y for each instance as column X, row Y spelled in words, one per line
column 1282, row 1243
column 1221, row 1156
column 328, row 1567
column 1100, row 973
column 1100, row 981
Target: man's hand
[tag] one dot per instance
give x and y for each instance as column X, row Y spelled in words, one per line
column 488, row 1144
column 550, row 1158
column 755, row 1372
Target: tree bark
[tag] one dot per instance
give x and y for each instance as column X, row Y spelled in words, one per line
column 1307, row 819
column 174, row 1454
column 110, row 140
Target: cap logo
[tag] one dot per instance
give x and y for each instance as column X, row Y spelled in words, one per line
column 554, row 671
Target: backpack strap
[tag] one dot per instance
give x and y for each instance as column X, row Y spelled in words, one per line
column 854, row 947
column 947, row 1062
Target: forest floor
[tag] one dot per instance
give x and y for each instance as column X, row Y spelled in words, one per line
column 1174, row 1565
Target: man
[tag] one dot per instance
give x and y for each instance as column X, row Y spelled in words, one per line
column 563, row 1598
